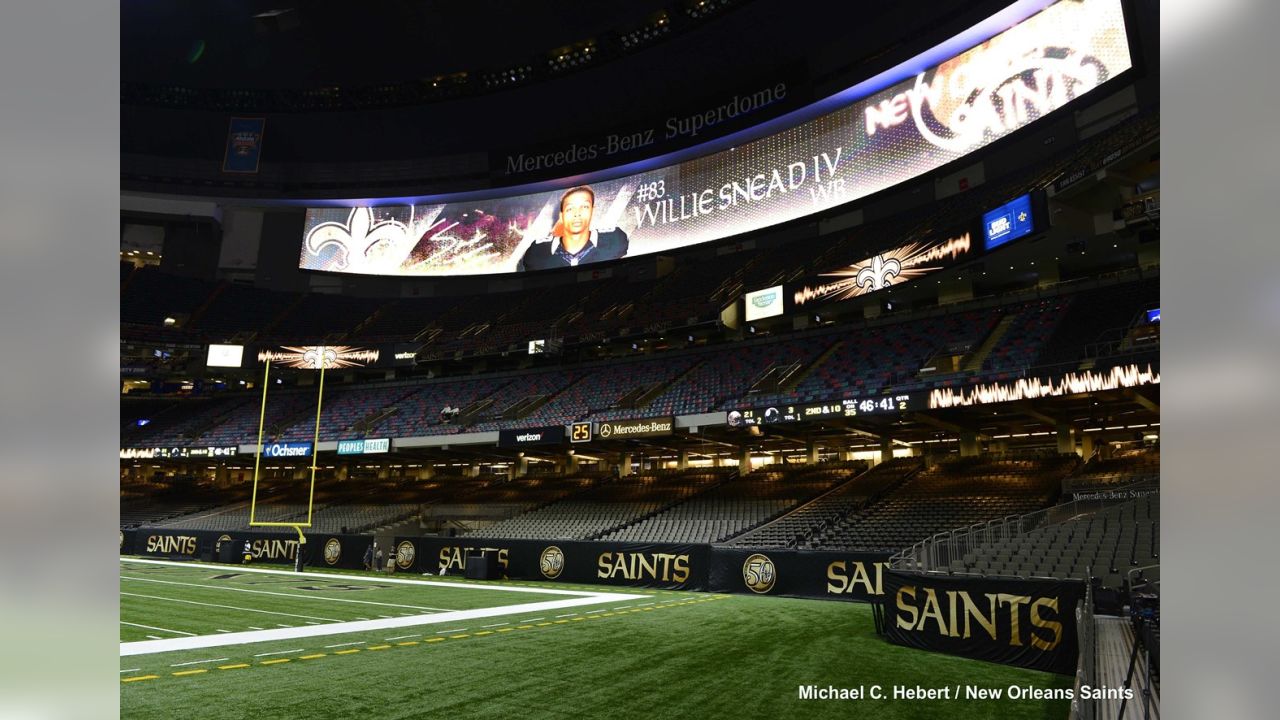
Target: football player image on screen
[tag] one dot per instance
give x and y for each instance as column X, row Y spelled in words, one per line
column 573, row 241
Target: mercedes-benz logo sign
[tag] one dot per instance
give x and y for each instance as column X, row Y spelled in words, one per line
column 606, row 429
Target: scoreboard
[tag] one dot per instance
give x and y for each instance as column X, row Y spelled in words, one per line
column 813, row 412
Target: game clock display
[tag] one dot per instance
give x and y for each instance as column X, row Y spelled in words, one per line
column 844, row 408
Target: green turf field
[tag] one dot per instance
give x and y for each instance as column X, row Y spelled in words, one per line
column 664, row 655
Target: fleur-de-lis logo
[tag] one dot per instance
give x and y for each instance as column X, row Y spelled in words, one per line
column 877, row 275
column 359, row 241
column 320, row 357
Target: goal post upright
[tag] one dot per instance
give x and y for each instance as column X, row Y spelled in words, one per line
column 315, row 444
column 257, row 455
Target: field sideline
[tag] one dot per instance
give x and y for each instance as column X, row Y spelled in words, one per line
column 342, row 645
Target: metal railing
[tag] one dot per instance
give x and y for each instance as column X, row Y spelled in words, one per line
column 1087, row 667
column 935, row 554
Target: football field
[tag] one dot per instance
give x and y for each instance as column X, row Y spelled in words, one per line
column 221, row 641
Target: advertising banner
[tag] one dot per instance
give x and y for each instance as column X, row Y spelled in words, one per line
column 364, row 446
column 322, row 549
column 647, row 427
column 1027, row 623
column 818, row 574
column 549, row 435
column 287, row 450
column 900, row 132
column 824, row 575
column 673, row 567
column 1008, row 222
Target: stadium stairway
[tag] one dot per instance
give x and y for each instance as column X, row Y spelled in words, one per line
column 729, row 477
column 812, row 517
column 979, row 356
column 1115, row 638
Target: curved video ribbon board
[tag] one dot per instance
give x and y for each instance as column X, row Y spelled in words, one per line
column 901, row 132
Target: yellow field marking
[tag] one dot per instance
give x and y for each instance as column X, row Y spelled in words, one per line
column 577, row 619
column 484, row 632
column 456, row 637
column 407, row 644
column 505, row 629
column 136, row 678
column 347, row 652
column 312, row 657
column 190, row 672
column 431, row 640
column 648, row 609
column 277, row 661
column 606, row 615
column 237, row 666
column 561, row 622
column 378, row 647
column 524, row 627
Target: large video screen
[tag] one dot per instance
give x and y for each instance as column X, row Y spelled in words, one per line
column 942, row 113
column 1008, row 222
column 764, row 303
column 229, row 356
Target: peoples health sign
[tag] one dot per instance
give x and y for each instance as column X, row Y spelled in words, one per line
column 364, row 446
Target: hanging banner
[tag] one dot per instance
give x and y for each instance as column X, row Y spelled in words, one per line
column 244, row 145
column 1027, row 623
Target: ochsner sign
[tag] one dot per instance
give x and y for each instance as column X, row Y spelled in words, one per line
column 287, row 450
column 917, row 125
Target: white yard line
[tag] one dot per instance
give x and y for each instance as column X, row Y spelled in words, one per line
column 145, row 647
column 569, row 599
column 150, row 627
column 198, row 662
column 365, row 579
column 402, row 637
column 358, row 642
column 279, row 652
column 229, row 607
column 288, row 595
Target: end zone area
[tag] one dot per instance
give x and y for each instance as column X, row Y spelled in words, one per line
column 178, row 606
column 253, row 643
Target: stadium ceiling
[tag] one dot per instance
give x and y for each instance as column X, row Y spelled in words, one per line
column 293, row 45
